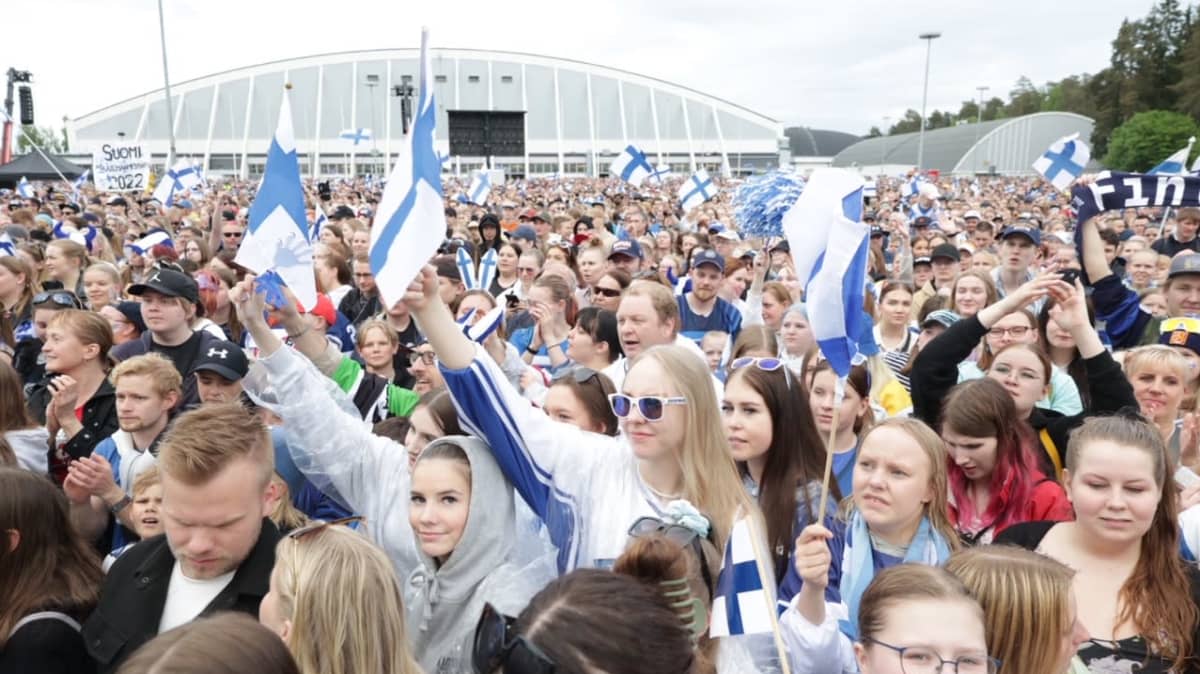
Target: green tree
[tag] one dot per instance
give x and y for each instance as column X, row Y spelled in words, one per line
column 911, row 121
column 44, row 136
column 1024, row 99
column 1188, row 86
column 874, row 132
column 993, row 109
column 1147, row 139
column 969, row 110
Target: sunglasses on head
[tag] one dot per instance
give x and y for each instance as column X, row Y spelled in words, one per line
column 63, row 298
column 681, row 535
column 496, row 646
column 581, row 375
column 606, row 292
column 764, row 364
column 651, row 408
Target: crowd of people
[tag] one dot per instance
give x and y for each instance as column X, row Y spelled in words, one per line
column 536, row 460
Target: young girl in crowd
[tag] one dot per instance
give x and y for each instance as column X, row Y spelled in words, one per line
column 18, row 285
column 588, row 488
column 337, row 604
column 226, row 643
column 102, row 285
column 1030, row 613
column 897, row 514
column 775, row 443
column 993, row 471
column 796, row 337
column 854, row 417
column 49, row 579
column 1137, row 597
column 378, row 344
column 892, row 332
column 1024, row 369
column 507, row 256
column 606, row 293
column 593, row 341
column 579, row 396
column 1062, row 351
column 970, row 292
column 65, row 262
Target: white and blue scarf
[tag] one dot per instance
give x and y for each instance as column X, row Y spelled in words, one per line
column 858, row 565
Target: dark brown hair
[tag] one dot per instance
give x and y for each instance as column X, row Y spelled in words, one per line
column 754, row 338
column 14, row 415
column 593, row 396
column 52, row 567
column 227, row 643
column 440, row 406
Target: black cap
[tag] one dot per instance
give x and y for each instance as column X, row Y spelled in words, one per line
column 945, row 250
column 922, row 221
column 489, row 220
column 878, row 231
column 782, row 247
column 224, row 358
column 869, row 216
column 922, row 260
column 132, row 311
column 342, row 212
column 170, row 283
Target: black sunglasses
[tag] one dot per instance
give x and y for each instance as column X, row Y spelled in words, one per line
column 63, row 298
column 581, row 375
column 685, row 537
column 606, row 292
column 496, row 646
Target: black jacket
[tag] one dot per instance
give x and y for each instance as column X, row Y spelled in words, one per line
column 135, row 592
column 358, row 307
column 935, row 372
column 99, row 422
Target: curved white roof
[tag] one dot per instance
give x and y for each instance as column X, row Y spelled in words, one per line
column 571, row 107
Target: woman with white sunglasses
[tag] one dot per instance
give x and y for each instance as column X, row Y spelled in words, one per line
column 587, row 487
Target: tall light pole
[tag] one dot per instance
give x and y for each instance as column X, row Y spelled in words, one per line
column 162, row 34
column 883, row 146
column 978, row 120
column 929, row 38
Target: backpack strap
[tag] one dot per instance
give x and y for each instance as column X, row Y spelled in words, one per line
column 1051, row 451
column 46, row 615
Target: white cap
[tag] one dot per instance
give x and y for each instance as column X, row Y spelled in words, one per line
column 929, row 190
column 972, row 214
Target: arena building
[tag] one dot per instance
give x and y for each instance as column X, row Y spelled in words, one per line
column 531, row 115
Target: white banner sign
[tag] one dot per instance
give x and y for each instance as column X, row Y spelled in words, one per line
column 121, row 167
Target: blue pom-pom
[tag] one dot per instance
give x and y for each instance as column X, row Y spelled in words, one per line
column 761, row 201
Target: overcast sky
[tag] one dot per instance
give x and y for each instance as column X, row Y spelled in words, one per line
column 831, row 65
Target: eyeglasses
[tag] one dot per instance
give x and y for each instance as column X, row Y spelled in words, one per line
column 425, row 357
column 924, row 660
column 231, row 235
column 1015, row 331
column 63, row 298
column 496, row 646
column 606, row 292
column 650, row 407
column 527, row 270
column 683, row 536
column 764, row 364
column 317, row 525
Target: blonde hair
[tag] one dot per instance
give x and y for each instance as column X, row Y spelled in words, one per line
column 161, row 372
column 203, row 442
column 146, row 479
column 87, row 327
column 710, row 478
column 935, row 452
column 345, row 603
column 285, row 515
column 661, row 298
column 908, row 582
column 389, row 333
column 1026, row 603
column 1155, row 355
column 72, row 250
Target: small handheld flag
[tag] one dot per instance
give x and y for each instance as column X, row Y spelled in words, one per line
column 660, row 173
column 741, row 603
column 148, row 242
column 481, row 186
column 1064, row 161
column 1176, row 164
column 24, row 188
column 696, row 190
column 319, row 221
column 6, row 245
column 631, row 166
column 277, row 238
column 409, row 224
column 180, row 178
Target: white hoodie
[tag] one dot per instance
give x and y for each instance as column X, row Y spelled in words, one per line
column 31, row 446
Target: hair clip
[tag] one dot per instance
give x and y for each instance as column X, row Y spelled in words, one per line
column 691, row 610
column 682, row 513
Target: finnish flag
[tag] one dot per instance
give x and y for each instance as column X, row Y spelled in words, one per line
column 355, row 136
column 277, row 227
column 7, row 249
column 148, row 242
column 631, row 166
column 741, row 603
column 180, row 178
column 696, row 190
column 829, row 247
column 481, row 186
column 24, row 188
column 409, row 225
column 319, row 221
column 1176, row 164
column 1064, row 161
column 660, row 173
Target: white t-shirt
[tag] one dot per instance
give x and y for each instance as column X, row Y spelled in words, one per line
column 186, row 597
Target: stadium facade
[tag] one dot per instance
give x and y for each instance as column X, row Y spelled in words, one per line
column 572, row 118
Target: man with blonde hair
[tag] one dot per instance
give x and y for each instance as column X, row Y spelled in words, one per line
column 219, row 548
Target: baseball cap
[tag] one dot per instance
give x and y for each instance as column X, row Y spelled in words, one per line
column 942, row 317
column 170, row 283
column 528, row 214
column 224, row 358
column 729, row 235
column 342, row 212
column 878, row 231
column 1184, row 264
column 922, row 260
column 945, row 250
column 708, row 257
column 489, row 220
column 523, row 232
column 922, row 221
column 117, row 201
column 323, row 308
column 1031, row 233
column 544, row 216
column 132, row 311
column 1181, row 331
column 972, row 214
column 628, row 248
